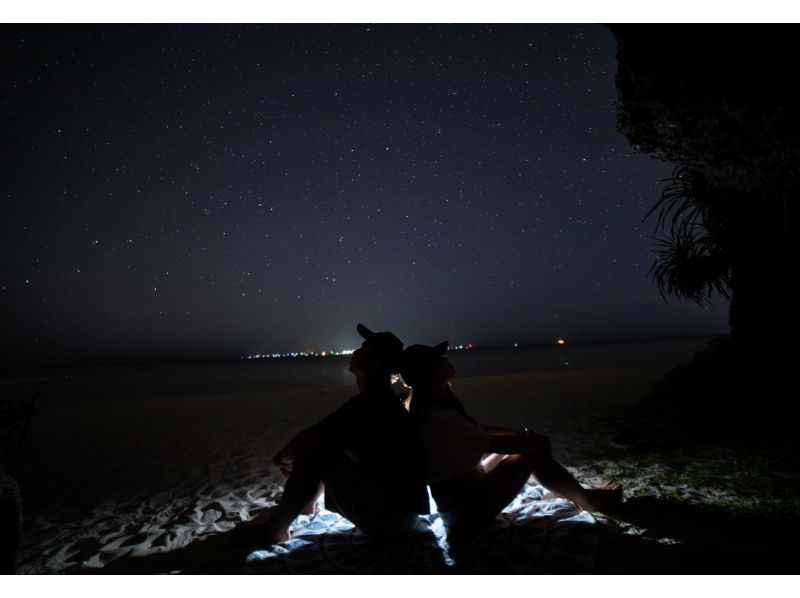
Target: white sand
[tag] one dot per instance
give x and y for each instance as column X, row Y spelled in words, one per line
column 133, row 476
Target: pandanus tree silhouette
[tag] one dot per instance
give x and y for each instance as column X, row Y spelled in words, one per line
column 719, row 103
column 692, row 252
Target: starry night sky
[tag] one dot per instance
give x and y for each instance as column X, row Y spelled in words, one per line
column 212, row 191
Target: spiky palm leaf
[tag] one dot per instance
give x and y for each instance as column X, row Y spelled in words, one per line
column 691, row 259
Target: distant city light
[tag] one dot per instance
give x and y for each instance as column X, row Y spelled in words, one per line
column 295, row 354
column 459, row 347
column 561, row 341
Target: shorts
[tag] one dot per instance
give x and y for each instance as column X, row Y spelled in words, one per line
column 351, row 493
column 459, row 500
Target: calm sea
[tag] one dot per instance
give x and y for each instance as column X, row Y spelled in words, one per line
column 240, row 376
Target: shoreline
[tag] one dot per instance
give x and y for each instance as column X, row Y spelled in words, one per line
column 303, row 374
column 285, row 355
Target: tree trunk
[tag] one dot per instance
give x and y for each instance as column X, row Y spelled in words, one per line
column 763, row 311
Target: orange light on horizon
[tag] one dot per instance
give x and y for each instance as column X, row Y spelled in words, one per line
column 561, row 341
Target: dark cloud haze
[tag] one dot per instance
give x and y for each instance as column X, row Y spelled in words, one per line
column 212, row 191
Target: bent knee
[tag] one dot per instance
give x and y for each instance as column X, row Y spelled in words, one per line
column 535, row 458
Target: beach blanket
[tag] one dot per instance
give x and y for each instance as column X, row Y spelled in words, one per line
column 536, row 533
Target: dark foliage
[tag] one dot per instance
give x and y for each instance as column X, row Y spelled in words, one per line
column 719, row 102
column 722, row 395
column 692, row 250
column 717, row 99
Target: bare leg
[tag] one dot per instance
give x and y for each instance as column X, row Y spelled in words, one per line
column 301, row 488
column 311, row 507
column 508, row 476
column 490, row 462
column 552, row 475
column 503, row 483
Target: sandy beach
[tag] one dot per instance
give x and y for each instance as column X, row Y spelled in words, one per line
column 121, row 477
column 112, row 479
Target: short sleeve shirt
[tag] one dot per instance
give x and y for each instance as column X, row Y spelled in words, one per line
column 452, row 445
column 381, row 431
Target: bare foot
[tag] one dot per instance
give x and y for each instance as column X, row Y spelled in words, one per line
column 605, row 498
column 249, row 538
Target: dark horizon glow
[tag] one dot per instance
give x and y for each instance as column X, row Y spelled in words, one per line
column 204, row 191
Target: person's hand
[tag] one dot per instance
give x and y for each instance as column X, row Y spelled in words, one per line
column 283, row 461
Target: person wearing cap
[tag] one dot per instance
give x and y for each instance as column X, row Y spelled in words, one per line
column 470, row 490
column 365, row 455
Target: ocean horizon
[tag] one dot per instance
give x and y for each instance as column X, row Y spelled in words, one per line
column 254, row 375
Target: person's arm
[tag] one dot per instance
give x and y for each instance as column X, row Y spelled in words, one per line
column 304, row 442
column 508, row 444
column 332, row 433
column 501, row 430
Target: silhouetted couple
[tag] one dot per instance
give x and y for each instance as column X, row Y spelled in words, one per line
column 374, row 458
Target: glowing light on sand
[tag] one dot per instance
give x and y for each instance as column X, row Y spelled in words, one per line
column 561, row 341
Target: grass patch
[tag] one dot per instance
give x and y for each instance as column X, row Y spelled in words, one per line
column 741, row 482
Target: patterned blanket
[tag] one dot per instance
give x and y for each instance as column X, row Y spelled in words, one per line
column 536, row 533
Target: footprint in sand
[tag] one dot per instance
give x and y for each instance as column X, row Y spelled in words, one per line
column 179, row 511
column 135, row 540
column 116, row 534
column 84, row 548
column 208, row 514
column 164, row 539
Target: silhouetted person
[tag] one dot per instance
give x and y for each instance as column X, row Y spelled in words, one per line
column 364, row 453
column 471, row 492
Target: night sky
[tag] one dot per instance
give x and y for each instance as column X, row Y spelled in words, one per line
column 213, row 191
